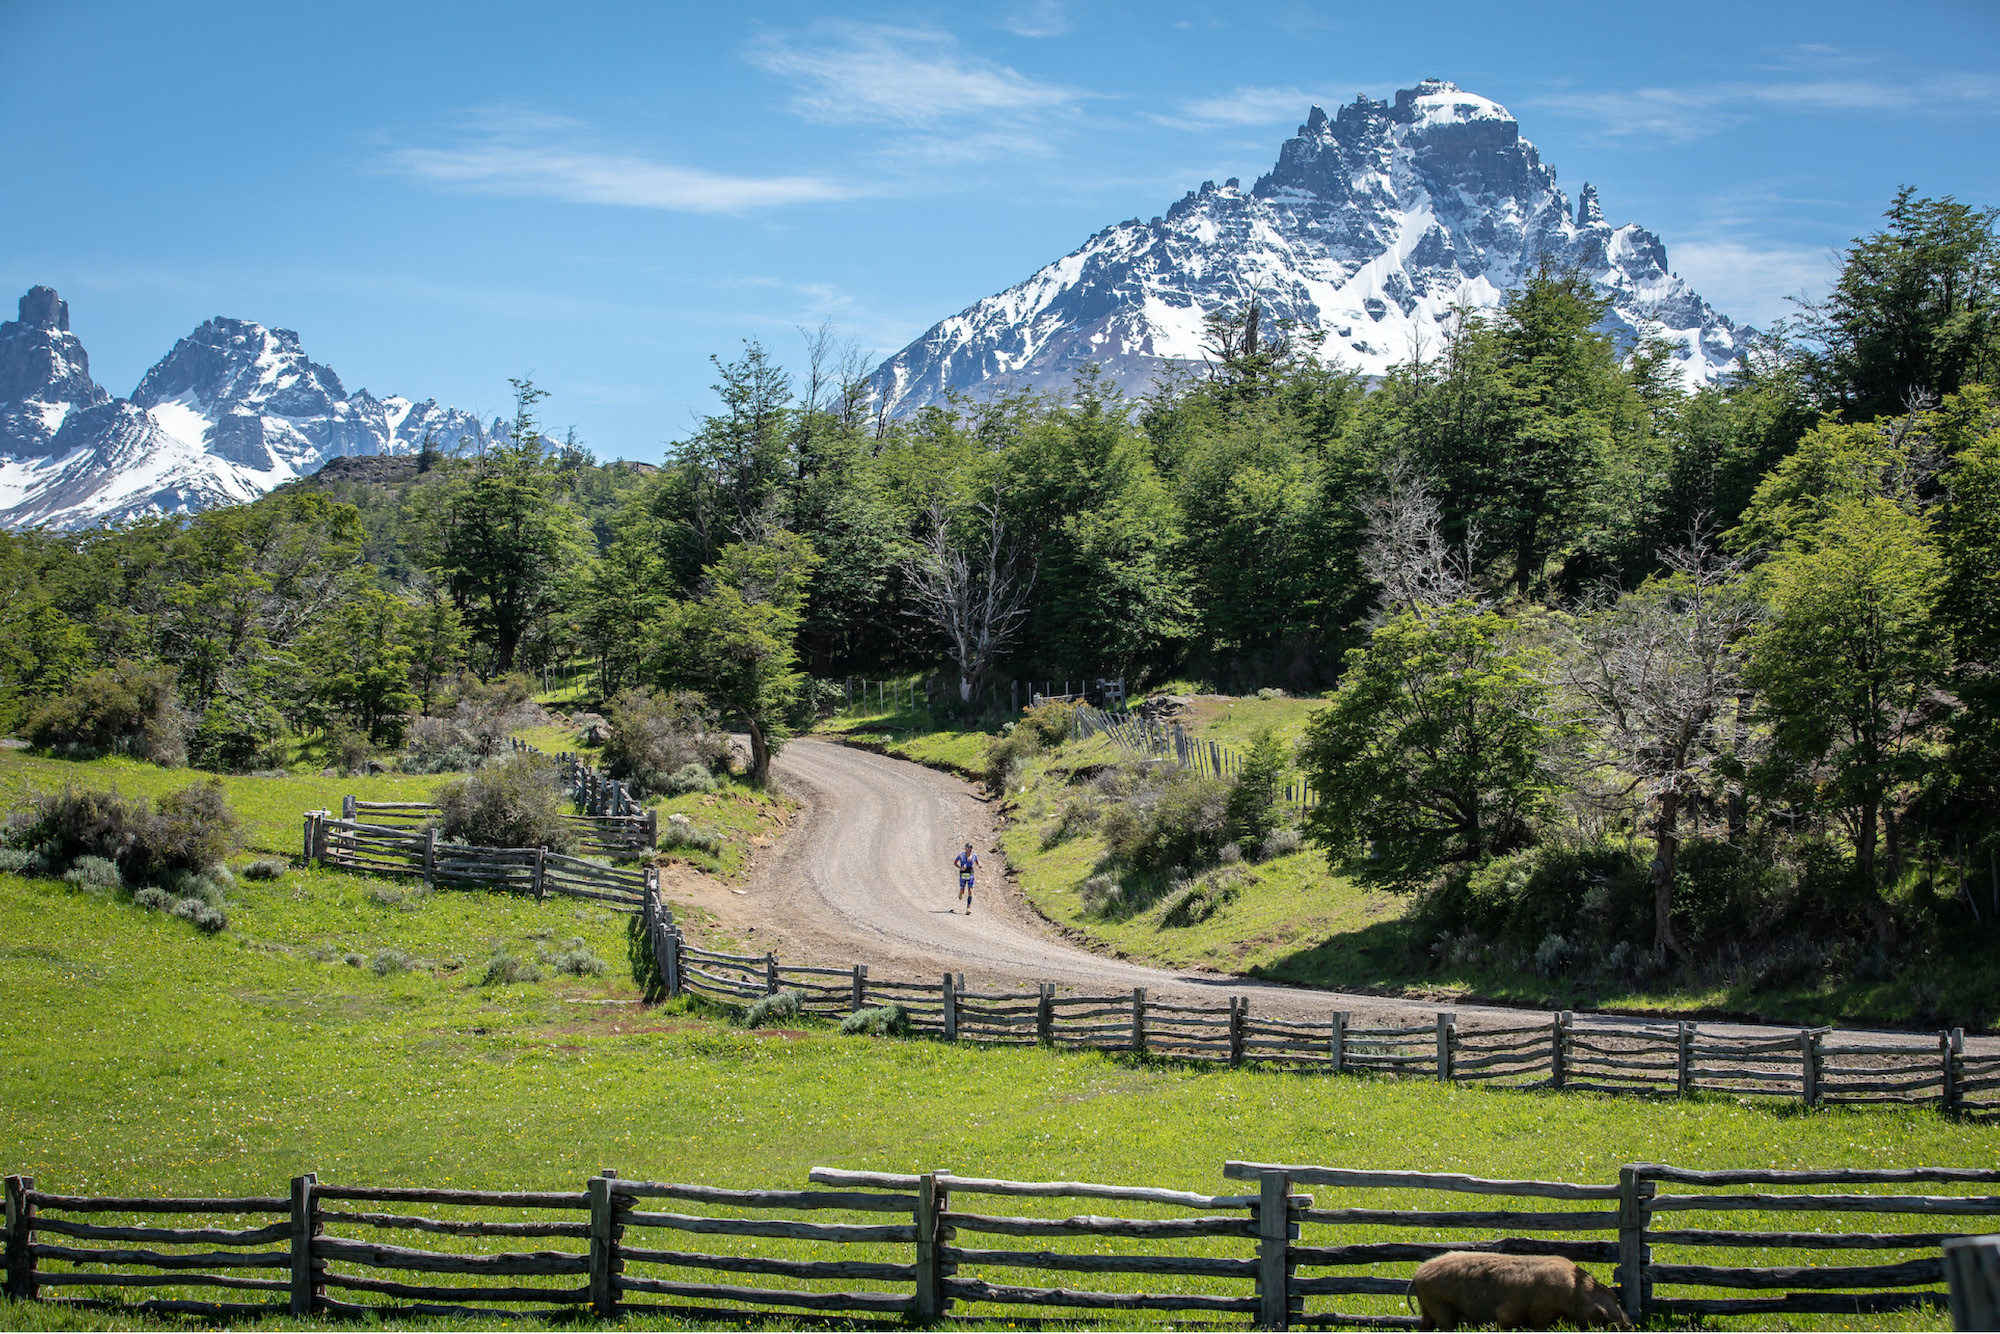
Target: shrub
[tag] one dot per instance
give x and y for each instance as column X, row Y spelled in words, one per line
column 692, row 777
column 1103, row 895
column 153, row 897
column 515, row 802
column 1254, row 806
column 207, row 916
column 880, row 1021
column 1079, row 814
column 1198, row 900
column 1174, row 818
column 265, row 868
column 21, row 861
column 128, row 708
column 1552, row 956
column 506, row 968
column 814, row 699
column 192, row 830
column 578, row 960
column 1281, row 842
column 93, row 873
column 775, row 1008
column 391, row 961
column 437, row 746
column 656, row 736
column 681, row 832
column 81, row 822
column 1050, row 723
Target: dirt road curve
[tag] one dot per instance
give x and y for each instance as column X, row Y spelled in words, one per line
column 865, row 876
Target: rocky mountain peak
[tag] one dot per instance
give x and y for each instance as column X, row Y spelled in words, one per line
column 1372, row 227
column 41, row 308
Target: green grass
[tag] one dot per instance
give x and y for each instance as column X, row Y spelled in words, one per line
column 138, row 1056
column 1237, row 721
column 917, row 735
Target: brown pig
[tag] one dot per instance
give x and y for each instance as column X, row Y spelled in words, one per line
column 1510, row 1291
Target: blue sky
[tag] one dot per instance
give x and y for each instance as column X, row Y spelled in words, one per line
column 440, row 196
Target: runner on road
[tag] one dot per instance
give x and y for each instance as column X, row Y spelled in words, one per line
column 967, row 862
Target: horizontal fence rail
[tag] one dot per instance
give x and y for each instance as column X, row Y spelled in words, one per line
column 1563, row 1052
column 408, row 850
column 1159, row 740
column 891, row 1248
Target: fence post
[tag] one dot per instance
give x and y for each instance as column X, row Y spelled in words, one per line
column 1239, row 1010
column 950, row 1010
column 931, row 1202
column 1138, row 1019
column 308, row 850
column 860, row 997
column 1558, row 1057
column 1447, row 1033
column 541, row 869
column 673, row 968
column 1809, row 1067
column 1274, row 1218
column 1045, row 1013
column 347, row 807
column 1972, row 1269
column 305, row 1226
column 603, row 1247
column 1951, row 1045
column 1684, row 1059
column 1634, row 1189
column 21, row 1284
column 430, row 854
column 770, row 974
column 1336, row 1044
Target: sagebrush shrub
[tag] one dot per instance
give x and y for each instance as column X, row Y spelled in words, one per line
column 506, row 968
column 681, row 832
column 578, row 960
column 880, row 1021
column 656, row 737
column 128, row 708
column 692, row 777
column 392, row 961
column 191, row 830
column 515, row 802
column 775, row 1008
column 93, row 873
column 265, row 868
column 21, row 861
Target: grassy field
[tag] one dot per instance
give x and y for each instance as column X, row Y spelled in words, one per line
column 138, row 1055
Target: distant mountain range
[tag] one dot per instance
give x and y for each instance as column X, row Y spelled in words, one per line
column 1372, row 226
column 233, row 410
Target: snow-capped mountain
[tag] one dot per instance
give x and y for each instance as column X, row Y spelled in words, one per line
column 231, row 412
column 1372, row 226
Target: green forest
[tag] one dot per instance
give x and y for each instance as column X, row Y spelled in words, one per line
column 1688, row 667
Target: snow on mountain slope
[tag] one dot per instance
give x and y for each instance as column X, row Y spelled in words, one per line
column 1373, row 225
column 232, row 411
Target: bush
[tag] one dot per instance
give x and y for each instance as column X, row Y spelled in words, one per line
column 80, row 822
column 1050, row 722
column 476, row 728
column 1173, row 818
column 680, row 832
column 207, row 916
column 775, row 1008
column 881, row 1021
column 506, row 968
column 21, row 861
column 1007, row 757
column 391, row 961
column 438, row 746
column 1280, row 843
column 93, row 873
column 265, row 868
column 1197, row 901
column 578, row 960
column 657, row 736
column 128, row 708
column 1553, row 955
column 1079, row 814
column 191, row 831
column 515, row 802
column 813, row 700
column 153, row 897
column 1103, row 895
column 689, row 778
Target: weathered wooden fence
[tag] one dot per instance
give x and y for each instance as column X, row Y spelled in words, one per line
column 614, row 835
column 1814, row 1065
column 920, row 1247
column 1170, row 741
column 411, row 849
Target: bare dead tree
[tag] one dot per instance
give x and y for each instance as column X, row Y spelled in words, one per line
column 1405, row 551
column 976, row 592
column 1661, row 672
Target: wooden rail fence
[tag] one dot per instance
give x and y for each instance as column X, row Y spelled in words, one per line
column 409, row 848
column 1170, row 741
column 1816, row 1066
column 895, row 1248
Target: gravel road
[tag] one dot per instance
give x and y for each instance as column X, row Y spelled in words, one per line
column 865, row 876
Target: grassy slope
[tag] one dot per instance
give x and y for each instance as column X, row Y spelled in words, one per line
column 137, row 1055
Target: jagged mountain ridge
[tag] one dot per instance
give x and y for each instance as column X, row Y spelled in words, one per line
column 232, row 411
column 1371, row 227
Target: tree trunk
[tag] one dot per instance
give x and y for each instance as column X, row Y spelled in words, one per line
column 1666, row 850
column 1864, row 843
column 760, row 751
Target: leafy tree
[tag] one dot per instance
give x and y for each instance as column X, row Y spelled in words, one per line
column 1432, row 750
column 436, row 635
column 1969, row 613
column 501, row 536
column 1255, row 808
column 735, row 640
column 360, row 668
column 1850, row 662
column 1913, row 314
column 619, row 598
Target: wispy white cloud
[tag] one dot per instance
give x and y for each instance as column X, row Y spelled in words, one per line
column 1680, row 115
column 853, row 72
column 533, row 154
column 1251, row 105
column 1038, row 18
column 1750, row 281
